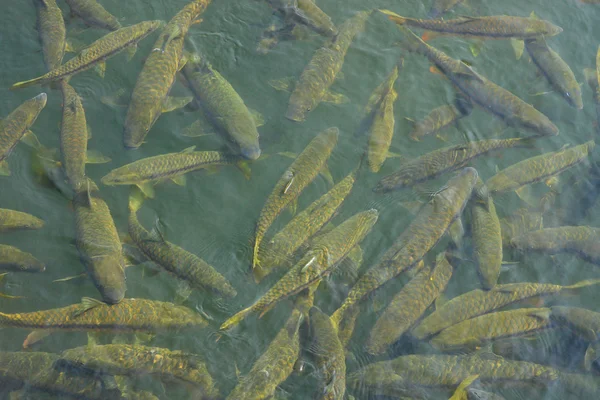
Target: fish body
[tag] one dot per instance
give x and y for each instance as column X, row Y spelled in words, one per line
column 478, row 302
column 131, row 360
column 438, row 119
column 99, row 244
column 17, row 123
column 73, row 138
column 13, row 220
column 274, row 365
column 443, row 160
column 324, row 254
column 483, row 92
column 440, row 7
column 102, row 49
column 381, row 132
column 409, row 305
column 52, row 31
column 538, row 168
column 223, row 105
column 475, row 332
column 583, row 321
column 15, row 260
column 330, row 356
column 296, row 177
column 129, row 315
column 312, row 16
column 422, row 235
column 276, row 252
column 556, row 71
column 149, row 96
column 93, row 14
column 321, row 71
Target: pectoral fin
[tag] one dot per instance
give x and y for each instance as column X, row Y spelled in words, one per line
column 196, row 129
column 131, row 50
column 518, row 47
column 284, row 84
column 259, row 120
column 31, row 140
column 100, row 68
column 335, row 98
column 95, row 157
column 147, row 188
column 179, row 180
column 327, row 175
column 173, row 103
column 87, row 303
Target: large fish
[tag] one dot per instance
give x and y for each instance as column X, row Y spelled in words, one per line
column 321, row 71
column 52, row 31
column 478, row 302
column 409, row 305
column 422, row 235
column 15, row 260
column 93, row 14
column 222, row 105
column 99, row 244
column 481, row 91
column 556, row 71
column 13, row 220
column 14, row 127
column 447, row 159
column 441, row 117
column 324, row 254
column 538, row 168
column 96, row 53
column 295, row 178
column 179, row 262
column 150, row 94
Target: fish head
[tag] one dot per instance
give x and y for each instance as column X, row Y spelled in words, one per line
column 121, row 176
column 553, row 29
column 109, row 277
column 135, row 131
column 573, row 97
column 30, row 110
column 301, row 103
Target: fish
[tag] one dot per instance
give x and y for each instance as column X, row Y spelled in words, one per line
column 329, row 354
column 132, row 360
column 52, row 31
column 447, row 159
column 481, row 91
column 276, row 253
column 592, row 76
column 488, row 27
column 320, row 73
column 147, row 171
column 487, row 237
column 93, row 14
column 15, row 260
column 478, row 302
column 585, row 323
column 11, row 220
column 274, row 365
column 321, row 259
column 475, row 332
column 556, row 71
column 96, row 53
column 91, row 315
column 35, row 370
column 424, row 232
column 16, row 126
column 408, row 305
column 178, row 261
column 223, row 105
column 538, row 168
column 440, row 118
column 295, row 178
column 316, row 19
column 461, row 391
column 440, row 7
column 99, row 244
column 150, row 94
column 519, row 223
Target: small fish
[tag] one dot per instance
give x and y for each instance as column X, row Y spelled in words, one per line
column 14, row 220
column 440, row 118
column 303, row 170
column 15, row 260
column 440, row 7
column 93, row 14
column 96, row 53
column 52, row 31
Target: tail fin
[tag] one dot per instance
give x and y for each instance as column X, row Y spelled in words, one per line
column 136, row 199
column 24, row 84
column 392, row 16
column 581, row 284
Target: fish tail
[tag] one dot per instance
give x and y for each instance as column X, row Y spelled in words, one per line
column 136, row 199
column 259, row 273
column 236, row 319
column 581, row 284
column 392, row 16
column 529, row 142
column 24, row 84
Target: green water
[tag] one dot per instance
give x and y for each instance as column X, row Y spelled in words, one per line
column 213, row 216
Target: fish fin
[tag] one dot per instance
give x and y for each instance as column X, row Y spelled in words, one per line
column 173, row 103
column 436, row 71
column 183, row 292
column 542, row 314
column 283, row 84
column 533, row 15
column 468, row 72
column 36, row 336
column 526, row 194
column 136, row 199
column 190, row 149
column 196, row 129
column 392, row 16
column 591, row 355
column 236, row 319
column 179, row 180
column 182, row 61
column 335, row 98
column 24, row 84
column 174, row 33
column 581, row 284
column 131, row 50
column 157, row 231
column 486, row 353
column 244, row 166
column 73, row 45
column 87, row 303
column 456, row 231
column 394, row 155
column 476, row 47
column 258, row 118
column 293, row 207
column 466, row 383
column 100, row 68
column 31, row 140
column 430, row 35
column 288, row 154
column 508, row 265
column 147, row 188
column 88, row 130
column 118, row 99
column 518, row 47
column 327, row 175
column 95, row 157
column 93, row 339
column 70, row 278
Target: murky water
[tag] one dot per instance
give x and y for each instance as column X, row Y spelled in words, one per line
column 213, row 216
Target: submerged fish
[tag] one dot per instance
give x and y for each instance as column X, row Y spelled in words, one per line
column 15, row 260
column 478, row 302
column 181, row 263
column 447, row 159
column 52, row 31
column 276, row 253
column 96, row 53
column 321, row 71
column 13, row 220
column 14, row 127
column 312, row 16
column 223, row 105
column 592, row 76
column 440, row 7
column 150, row 94
column 409, row 305
column 538, row 168
column 93, row 14
column 440, row 118
column 296, row 177
column 519, row 223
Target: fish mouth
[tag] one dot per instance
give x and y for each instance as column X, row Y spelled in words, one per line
column 43, row 97
column 113, row 296
column 295, row 115
column 251, row 153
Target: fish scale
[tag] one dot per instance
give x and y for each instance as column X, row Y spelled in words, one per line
column 73, row 137
column 52, row 31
